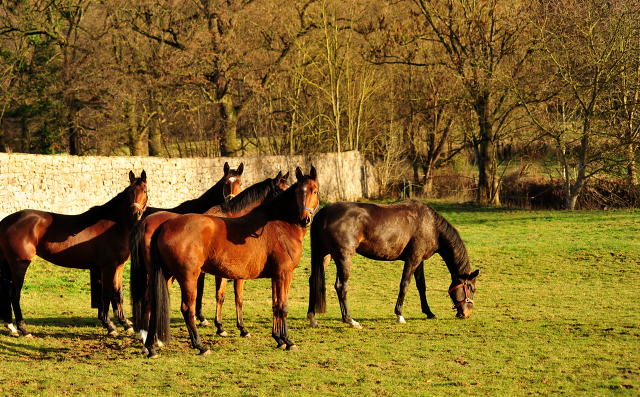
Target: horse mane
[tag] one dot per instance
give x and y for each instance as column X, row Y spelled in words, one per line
column 202, row 203
column 456, row 257
column 254, row 193
column 107, row 209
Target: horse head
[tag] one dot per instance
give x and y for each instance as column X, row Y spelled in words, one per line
column 462, row 294
column 232, row 181
column 138, row 194
column 307, row 195
column 279, row 184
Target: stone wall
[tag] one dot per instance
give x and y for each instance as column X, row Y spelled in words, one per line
column 71, row 185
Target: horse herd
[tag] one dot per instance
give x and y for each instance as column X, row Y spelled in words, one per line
column 232, row 234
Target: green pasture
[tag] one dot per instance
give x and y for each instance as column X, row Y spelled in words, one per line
column 556, row 312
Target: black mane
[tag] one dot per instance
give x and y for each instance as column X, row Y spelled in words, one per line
column 254, row 193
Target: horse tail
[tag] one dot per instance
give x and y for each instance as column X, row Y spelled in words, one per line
column 317, row 289
column 451, row 247
column 138, row 279
column 95, row 275
column 5, row 290
column 159, row 324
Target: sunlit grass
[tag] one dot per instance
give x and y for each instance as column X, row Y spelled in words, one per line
column 555, row 314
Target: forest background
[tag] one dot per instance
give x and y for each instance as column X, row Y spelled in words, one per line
column 529, row 103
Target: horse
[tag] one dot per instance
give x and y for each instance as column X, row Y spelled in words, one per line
column 239, row 205
column 265, row 243
column 140, row 236
column 410, row 231
column 95, row 239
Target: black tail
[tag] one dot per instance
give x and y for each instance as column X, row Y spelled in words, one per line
column 138, row 279
column 317, row 289
column 452, row 248
column 159, row 324
column 5, row 290
column 95, row 276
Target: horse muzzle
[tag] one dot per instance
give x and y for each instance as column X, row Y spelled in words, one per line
column 136, row 211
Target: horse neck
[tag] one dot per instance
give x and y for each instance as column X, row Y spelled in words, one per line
column 213, row 196
column 451, row 248
column 284, row 207
column 247, row 200
column 115, row 210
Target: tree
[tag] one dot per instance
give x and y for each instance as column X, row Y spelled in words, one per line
column 583, row 44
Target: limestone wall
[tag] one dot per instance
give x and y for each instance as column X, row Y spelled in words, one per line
column 71, row 185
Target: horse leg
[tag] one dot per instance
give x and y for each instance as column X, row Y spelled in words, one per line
column 221, row 286
column 420, row 284
column 343, row 269
column 189, row 292
column 203, row 321
column 18, row 271
column 108, row 277
column 238, row 286
column 280, row 297
column 117, row 299
column 409, row 268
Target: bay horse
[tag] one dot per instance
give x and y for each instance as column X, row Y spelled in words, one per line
column 140, row 236
column 265, row 243
column 239, row 205
column 96, row 239
column 410, row 231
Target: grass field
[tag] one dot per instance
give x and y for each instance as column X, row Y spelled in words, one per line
column 556, row 312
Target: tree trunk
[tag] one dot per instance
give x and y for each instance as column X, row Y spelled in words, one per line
column 485, row 154
column 155, row 138
column 229, row 114
column 630, row 155
column 25, row 135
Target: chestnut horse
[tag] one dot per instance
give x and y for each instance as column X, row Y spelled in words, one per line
column 96, row 239
column 240, row 205
column 140, row 236
column 410, row 231
column 265, row 243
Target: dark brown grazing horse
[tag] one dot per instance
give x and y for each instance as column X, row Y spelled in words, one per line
column 265, row 243
column 240, row 205
column 410, row 231
column 96, row 239
column 140, row 236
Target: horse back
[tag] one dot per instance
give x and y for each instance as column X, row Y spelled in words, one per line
column 379, row 231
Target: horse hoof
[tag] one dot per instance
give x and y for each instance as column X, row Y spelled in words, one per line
column 160, row 344
column 401, row 320
column 152, row 355
column 313, row 324
column 144, row 350
column 282, row 346
column 205, row 323
column 206, row 352
column 28, row 336
column 292, row 347
column 113, row 333
column 356, row 325
column 223, row 334
column 247, row 335
column 431, row 317
column 130, row 331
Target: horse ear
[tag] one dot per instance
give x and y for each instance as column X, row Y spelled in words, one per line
column 474, row 274
column 285, row 176
column 143, row 176
column 313, row 174
column 279, row 176
column 132, row 177
column 226, row 168
column 240, row 168
column 299, row 174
